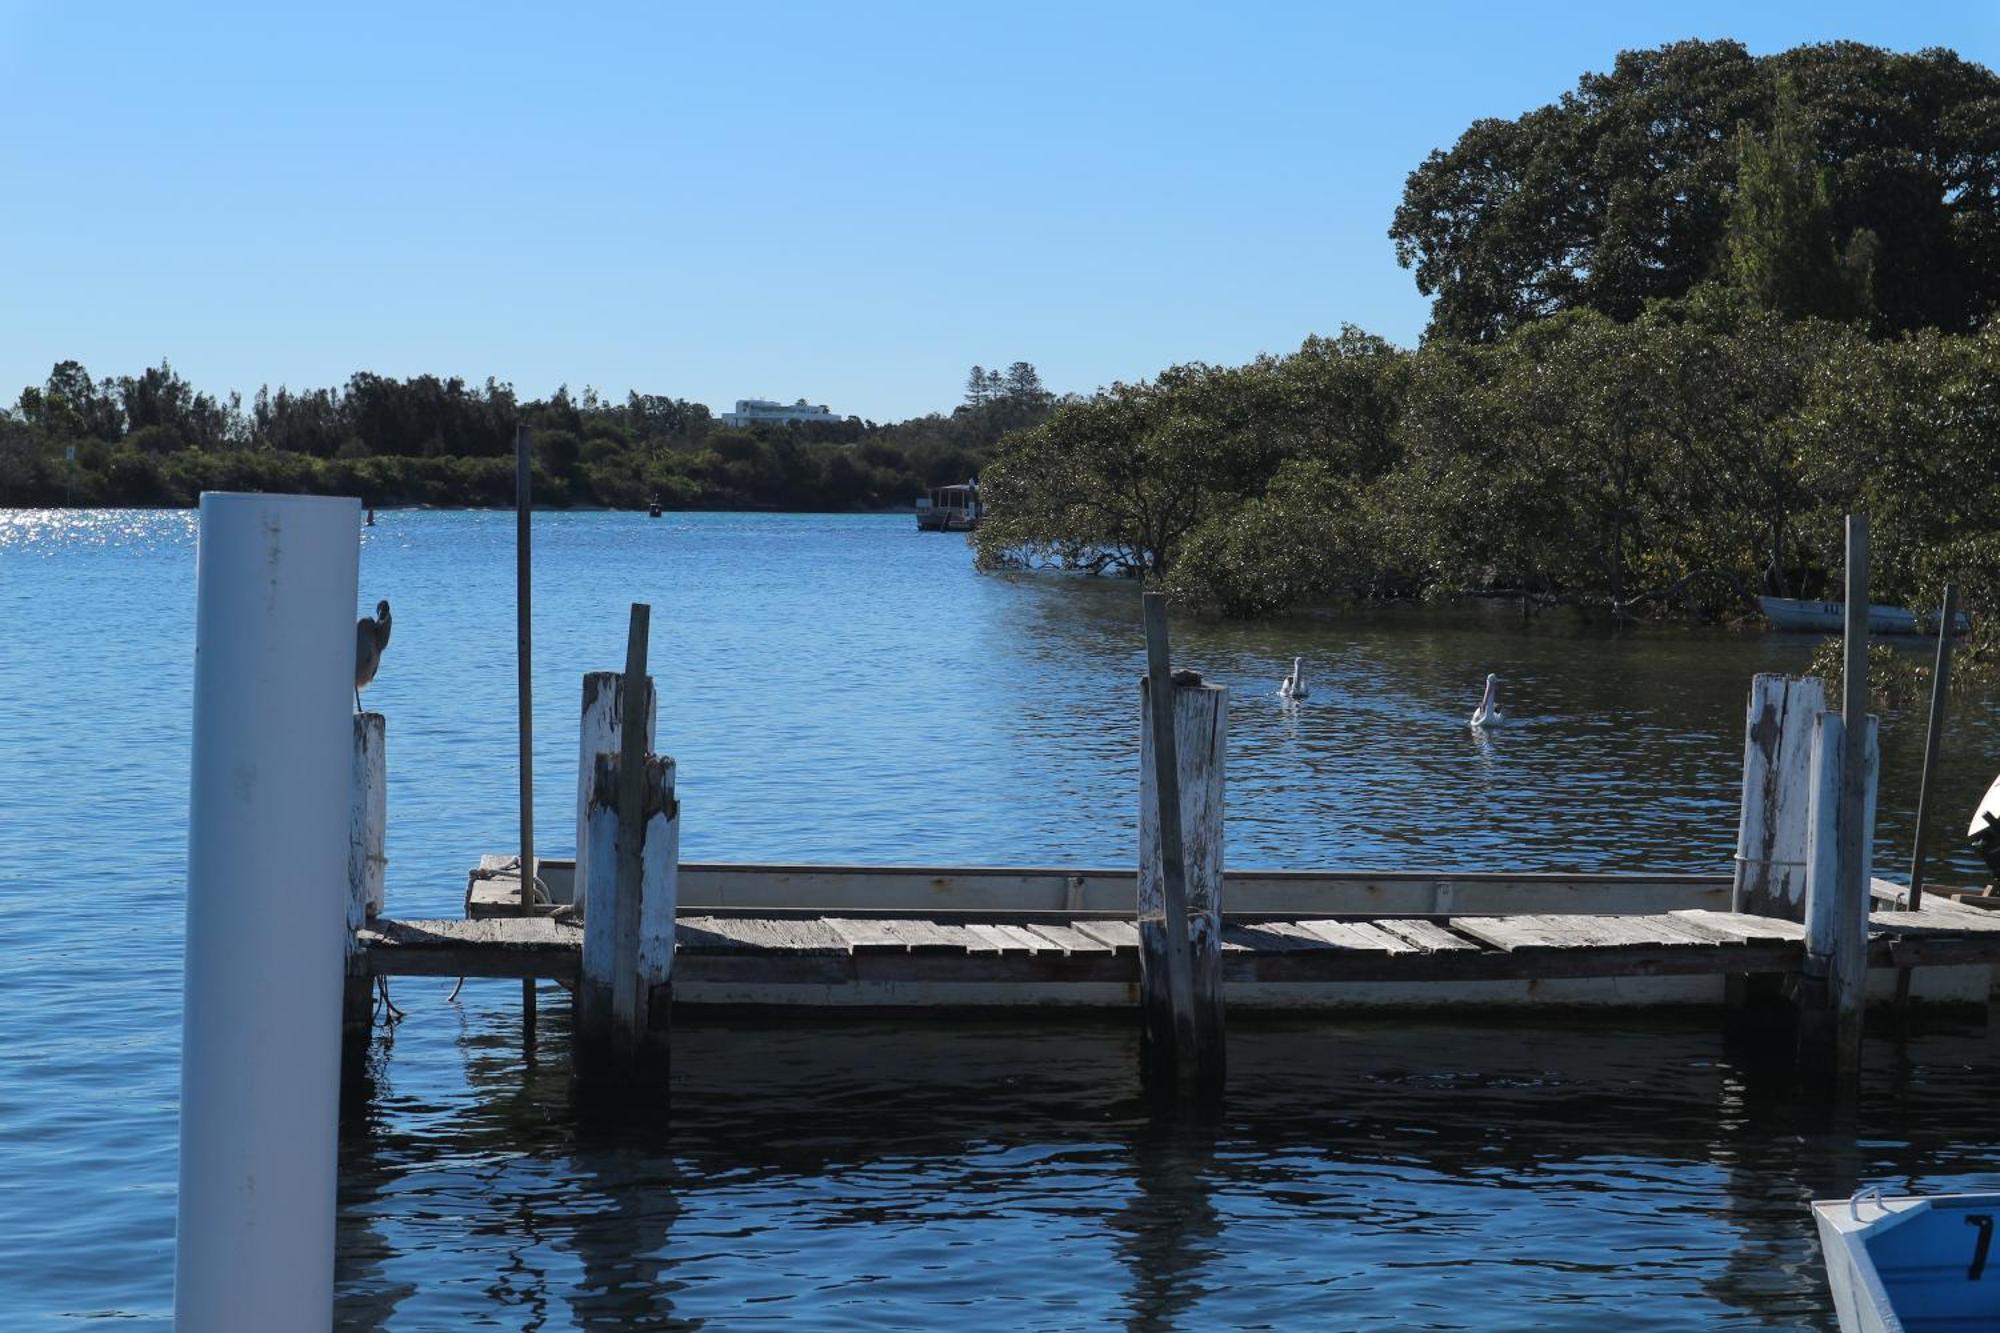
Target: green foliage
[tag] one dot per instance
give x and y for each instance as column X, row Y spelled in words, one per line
column 1677, row 462
column 1781, row 243
column 1118, row 482
column 153, row 439
column 1621, row 192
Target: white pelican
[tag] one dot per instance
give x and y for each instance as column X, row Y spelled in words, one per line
column 1488, row 713
column 1294, row 685
column 371, row 636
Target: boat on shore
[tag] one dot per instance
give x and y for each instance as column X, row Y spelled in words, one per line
column 1797, row 616
column 1912, row 1261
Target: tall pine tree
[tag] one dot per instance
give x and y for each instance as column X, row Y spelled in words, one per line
column 1781, row 231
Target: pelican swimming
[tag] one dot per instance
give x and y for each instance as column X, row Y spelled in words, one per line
column 1488, row 713
column 371, row 636
column 1294, row 685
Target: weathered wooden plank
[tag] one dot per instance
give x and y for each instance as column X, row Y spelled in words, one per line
column 1005, row 939
column 1360, row 935
column 866, row 933
column 1572, row 932
column 1068, row 938
column 1698, row 933
column 1509, row 933
column 929, row 937
column 1022, row 936
column 1302, row 935
column 1428, row 936
column 788, row 936
column 1933, row 921
column 1743, row 926
column 1121, row 936
column 1270, row 937
column 521, row 947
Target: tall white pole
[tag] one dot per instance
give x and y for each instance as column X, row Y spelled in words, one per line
column 266, row 911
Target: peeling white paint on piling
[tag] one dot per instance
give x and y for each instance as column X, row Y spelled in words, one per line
column 603, row 717
column 1770, row 874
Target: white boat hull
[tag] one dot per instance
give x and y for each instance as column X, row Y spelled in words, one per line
column 1793, row 615
column 1912, row 1262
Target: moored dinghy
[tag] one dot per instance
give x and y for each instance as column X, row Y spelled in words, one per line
column 1792, row 614
column 1912, row 1262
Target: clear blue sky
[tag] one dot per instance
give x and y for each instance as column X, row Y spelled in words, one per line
column 850, row 202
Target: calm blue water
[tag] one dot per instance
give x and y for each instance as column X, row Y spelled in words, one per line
column 839, row 688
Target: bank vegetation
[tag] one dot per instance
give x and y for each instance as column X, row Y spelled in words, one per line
column 1685, row 320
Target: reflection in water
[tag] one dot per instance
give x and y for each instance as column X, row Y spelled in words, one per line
column 1170, row 1222
column 990, row 1175
column 1002, row 1174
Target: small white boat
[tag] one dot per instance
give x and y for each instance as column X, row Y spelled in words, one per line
column 1789, row 613
column 1911, row 1263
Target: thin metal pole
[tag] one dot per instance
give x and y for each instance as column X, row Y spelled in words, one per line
column 1167, row 786
column 1851, row 931
column 523, row 655
column 1933, row 736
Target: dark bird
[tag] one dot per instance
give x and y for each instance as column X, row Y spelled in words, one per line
column 371, row 636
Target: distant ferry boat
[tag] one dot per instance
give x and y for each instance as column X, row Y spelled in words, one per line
column 1789, row 613
column 949, row 508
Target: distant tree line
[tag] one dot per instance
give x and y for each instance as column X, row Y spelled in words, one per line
column 1687, row 318
column 155, row 439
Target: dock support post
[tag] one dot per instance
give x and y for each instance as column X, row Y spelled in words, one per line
column 1772, row 833
column 1844, row 835
column 1770, row 873
column 1183, row 739
column 601, row 733
column 367, row 825
column 624, row 996
column 632, row 850
column 1834, row 980
column 270, row 790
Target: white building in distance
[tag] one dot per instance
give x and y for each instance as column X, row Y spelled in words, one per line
column 762, row 412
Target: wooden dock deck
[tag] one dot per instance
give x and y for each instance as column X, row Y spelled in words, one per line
column 806, row 947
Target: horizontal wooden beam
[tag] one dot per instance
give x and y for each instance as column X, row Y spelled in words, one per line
column 727, row 886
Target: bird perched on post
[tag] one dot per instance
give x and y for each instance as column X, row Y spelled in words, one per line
column 371, row 636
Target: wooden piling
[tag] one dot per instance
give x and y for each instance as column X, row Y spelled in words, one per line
column 630, row 852
column 623, row 998
column 1834, row 978
column 1770, row 872
column 601, row 733
column 659, row 904
column 1183, row 736
column 367, row 825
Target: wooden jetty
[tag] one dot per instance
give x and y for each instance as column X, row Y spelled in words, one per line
column 1797, row 926
column 845, row 936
